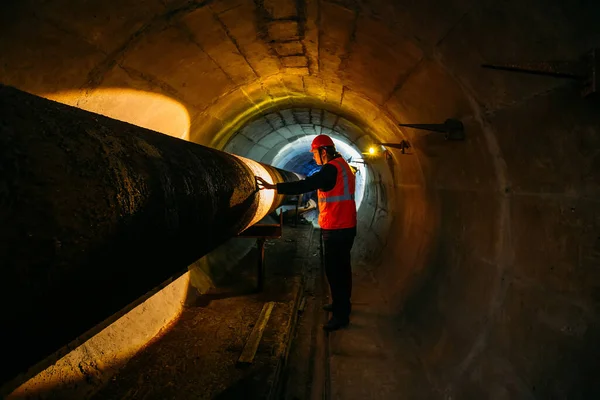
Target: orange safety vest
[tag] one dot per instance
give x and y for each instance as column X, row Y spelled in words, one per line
column 337, row 209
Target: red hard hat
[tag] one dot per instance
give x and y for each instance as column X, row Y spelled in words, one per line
column 321, row 141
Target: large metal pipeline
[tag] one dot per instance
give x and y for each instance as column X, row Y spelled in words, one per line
column 96, row 212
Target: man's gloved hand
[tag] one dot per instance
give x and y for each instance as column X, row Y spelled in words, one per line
column 262, row 184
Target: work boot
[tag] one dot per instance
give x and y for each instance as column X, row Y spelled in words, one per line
column 334, row 324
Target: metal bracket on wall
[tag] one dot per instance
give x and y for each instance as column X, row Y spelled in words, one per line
column 586, row 70
column 453, row 129
column 403, row 145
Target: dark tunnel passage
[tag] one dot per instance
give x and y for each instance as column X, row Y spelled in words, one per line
column 485, row 251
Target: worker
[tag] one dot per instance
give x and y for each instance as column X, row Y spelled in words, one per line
column 335, row 184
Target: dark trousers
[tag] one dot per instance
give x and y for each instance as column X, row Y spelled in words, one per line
column 336, row 256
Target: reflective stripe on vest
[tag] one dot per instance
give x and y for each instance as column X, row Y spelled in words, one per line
column 345, row 196
column 337, row 209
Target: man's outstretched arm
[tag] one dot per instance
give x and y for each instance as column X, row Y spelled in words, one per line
column 323, row 180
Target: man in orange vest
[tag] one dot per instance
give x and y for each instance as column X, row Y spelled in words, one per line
column 335, row 184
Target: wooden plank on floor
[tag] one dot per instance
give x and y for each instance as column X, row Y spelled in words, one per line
column 253, row 341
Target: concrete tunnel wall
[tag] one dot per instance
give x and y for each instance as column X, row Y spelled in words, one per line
column 264, row 139
column 492, row 247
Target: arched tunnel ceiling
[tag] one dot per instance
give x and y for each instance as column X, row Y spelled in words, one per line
column 283, row 139
column 264, row 138
column 227, row 61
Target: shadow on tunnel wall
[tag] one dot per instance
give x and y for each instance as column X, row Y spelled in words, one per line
column 509, row 305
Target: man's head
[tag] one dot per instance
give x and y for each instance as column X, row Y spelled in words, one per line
column 323, row 149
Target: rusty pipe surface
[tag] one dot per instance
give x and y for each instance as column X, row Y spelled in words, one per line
column 95, row 212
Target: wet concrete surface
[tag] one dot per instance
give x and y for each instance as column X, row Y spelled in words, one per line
column 376, row 356
column 196, row 357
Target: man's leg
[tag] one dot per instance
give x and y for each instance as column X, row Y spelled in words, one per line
column 339, row 274
column 329, row 261
column 344, row 278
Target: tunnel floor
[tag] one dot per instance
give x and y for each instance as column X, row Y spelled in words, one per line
column 196, row 357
